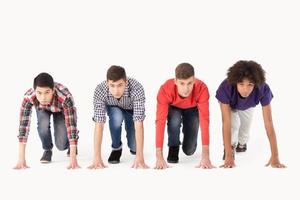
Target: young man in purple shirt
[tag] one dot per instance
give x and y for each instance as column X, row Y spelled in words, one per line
column 244, row 89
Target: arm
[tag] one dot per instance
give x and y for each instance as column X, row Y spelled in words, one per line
column 139, row 137
column 267, row 115
column 226, row 129
column 160, row 161
column 22, row 161
column 161, row 117
column 205, row 162
column 98, row 133
column 71, row 124
column 73, row 158
column 25, row 117
column 203, row 109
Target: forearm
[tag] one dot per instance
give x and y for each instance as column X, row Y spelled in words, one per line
column 227, row 137
column 73, row 152
column 139, row 136
column 205, row 151
column 98, row 133
column 22, row 147
column 267, row 115
column 272, row 140
column 159, row 154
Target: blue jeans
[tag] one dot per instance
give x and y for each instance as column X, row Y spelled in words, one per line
column 189, row 118
column 60, row 130
column 116, row 117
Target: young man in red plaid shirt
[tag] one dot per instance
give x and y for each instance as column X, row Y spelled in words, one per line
column 49, row 98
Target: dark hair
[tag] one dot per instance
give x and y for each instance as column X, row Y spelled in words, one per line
column 184, row 71
column 116, row 73
column 43, row 80
column 246, row 70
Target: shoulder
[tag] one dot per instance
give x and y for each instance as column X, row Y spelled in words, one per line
column 168, row 85
column 134, row 84
column 101, row 91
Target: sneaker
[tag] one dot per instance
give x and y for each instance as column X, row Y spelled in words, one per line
column 241, row 148
column 46, row 158
column 132, row 152
column 68, row 152
column 114, row 157
column 233, row 153
column 173, row 155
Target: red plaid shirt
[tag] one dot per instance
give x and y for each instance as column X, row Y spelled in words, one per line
column 62, row 101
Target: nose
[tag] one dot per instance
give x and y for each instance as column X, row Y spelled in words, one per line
column 43, row 97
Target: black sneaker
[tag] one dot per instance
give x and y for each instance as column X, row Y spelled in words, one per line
column 132, row 152
column 241, row 148
column 68, row 152
column 233, row 153
column 114, row 157
column 173, row 155
column 46, row 158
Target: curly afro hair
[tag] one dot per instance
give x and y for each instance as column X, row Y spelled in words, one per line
column 250, row 70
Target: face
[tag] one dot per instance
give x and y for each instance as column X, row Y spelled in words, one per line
column 185, row 86
column 117, row 88
column 44, row 95
column 245, row 87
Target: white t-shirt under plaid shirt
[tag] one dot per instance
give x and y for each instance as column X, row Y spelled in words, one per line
column 132, row 99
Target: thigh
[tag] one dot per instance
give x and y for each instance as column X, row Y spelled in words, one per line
column 115, row 115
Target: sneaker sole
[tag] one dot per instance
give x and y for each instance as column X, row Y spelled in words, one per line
column 45, row 161
column 172, row 161
column 114, row 162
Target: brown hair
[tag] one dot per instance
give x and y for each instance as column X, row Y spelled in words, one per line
column 184, row 71
column 115, row 73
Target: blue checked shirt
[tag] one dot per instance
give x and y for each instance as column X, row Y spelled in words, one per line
column 132, row 99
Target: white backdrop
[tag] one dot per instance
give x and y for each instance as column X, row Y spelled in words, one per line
column 76, row 41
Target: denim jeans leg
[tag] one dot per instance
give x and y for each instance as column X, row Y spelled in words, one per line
column 130, row 129
column 190, row 120
column 60, row 131
column 43, row 127
column 115, row 115
column 174, row 124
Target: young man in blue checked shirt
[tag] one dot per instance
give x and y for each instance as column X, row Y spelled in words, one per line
column 123, row 99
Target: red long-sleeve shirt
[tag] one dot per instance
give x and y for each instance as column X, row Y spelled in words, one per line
column 168, row 95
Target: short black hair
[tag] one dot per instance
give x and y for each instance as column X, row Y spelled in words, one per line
column 184, row 71
column 115, row 73
column 43, row 80
column 243, row 69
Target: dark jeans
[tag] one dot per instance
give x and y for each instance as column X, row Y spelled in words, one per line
column 116, row 117
column 189, row 118
column 60, row 130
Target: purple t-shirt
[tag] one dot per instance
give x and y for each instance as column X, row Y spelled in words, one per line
column 228, row 94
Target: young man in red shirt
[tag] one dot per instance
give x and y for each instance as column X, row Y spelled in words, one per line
column 182, row 101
